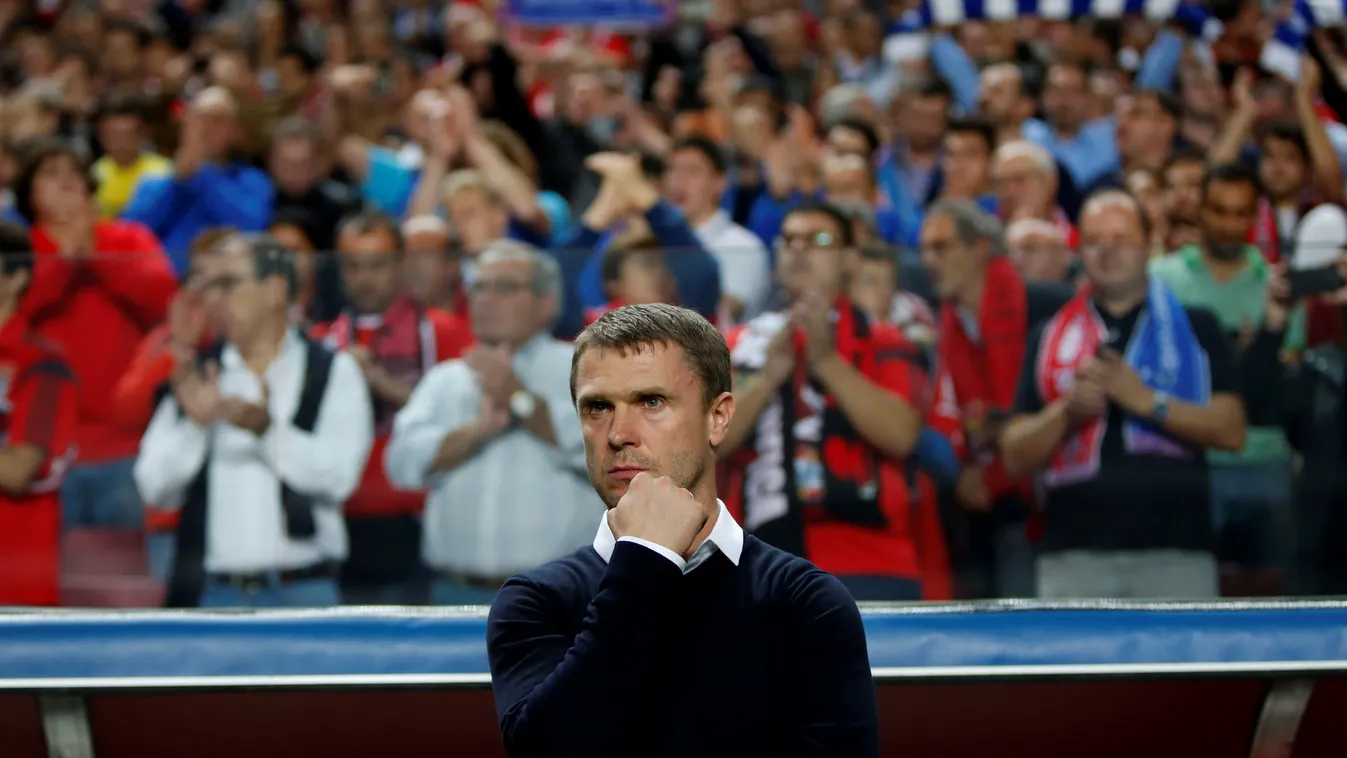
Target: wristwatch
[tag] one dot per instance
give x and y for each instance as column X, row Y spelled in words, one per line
column 1160, row 407
column 522, row 405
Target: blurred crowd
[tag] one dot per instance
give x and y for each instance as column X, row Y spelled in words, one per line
column 1016, row 309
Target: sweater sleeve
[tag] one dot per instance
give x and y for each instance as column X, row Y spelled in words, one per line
column 563, row 694
column 52, row 275
column 138, row 277
column 835, row 710
column 697, row 273
column 240, row 198
column 133, row 398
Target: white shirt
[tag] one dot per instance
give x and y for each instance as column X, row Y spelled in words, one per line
column 518, row 502
column 726, row 537
column 745, row 268
column 245, row 523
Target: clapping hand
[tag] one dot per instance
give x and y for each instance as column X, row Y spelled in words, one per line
column 197, row 391
column 658, row 510
column 812, row 316
column 253, row 417
column 495, row 372
column 1122, row 384
column 1088, row 400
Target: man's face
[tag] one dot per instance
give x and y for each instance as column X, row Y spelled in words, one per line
column 846, row 178
column 967, row 165
column 478, row 219
column 1143, row 125
column 371, row 269
column 1040, row 256
column 645, row 411
column 1113, row 248
column 217, row 123
column 1228, row 213
column 953, row 265
column 1183, row 191
column 292, row 78
column 1282, row 168
column 845, row 141
column 692, row 184
column 1000, row 94
column 432, row 270
column 121, row 55
column 1022, row 190
column 924, row 118
column 292, row 166
column 1065, row 98
column 504, row 307
column 810, row 255
column 246, row 302
column 121, row 136
column 643, row 278
column 295, row 240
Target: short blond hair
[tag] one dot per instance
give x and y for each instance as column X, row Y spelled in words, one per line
column 466, row 180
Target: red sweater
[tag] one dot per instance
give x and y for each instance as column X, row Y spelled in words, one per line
column 98, row 309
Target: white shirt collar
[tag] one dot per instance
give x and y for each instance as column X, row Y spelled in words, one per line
column 726, row 536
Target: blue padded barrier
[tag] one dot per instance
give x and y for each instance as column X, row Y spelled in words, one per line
column 447, row 646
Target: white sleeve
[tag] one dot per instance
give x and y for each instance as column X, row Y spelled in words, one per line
column 745, row 270
column 569, row 452
column 327, row 463
column 172, row 453
column 419, row 429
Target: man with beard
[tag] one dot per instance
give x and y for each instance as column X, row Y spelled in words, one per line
column 688, row 636
column 1251, row 488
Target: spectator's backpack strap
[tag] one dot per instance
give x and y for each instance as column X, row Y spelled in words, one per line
column 299, row 522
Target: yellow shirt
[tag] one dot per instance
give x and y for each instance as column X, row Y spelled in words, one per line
column 115, row 183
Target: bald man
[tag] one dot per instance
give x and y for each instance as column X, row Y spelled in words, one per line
column 434, row 270
column 1039, row 251
column 208, row 188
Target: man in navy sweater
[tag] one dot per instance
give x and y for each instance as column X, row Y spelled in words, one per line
column 676, row 634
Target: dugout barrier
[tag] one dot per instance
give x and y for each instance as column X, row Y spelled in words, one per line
column 1010, row 678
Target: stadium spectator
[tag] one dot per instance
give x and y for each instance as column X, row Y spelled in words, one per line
column 207, row 187
column 474, row 426
column 98, row 287
column 694, row 183
column 1251, row 487
column 396, row 342
column 122, row 135
column 434, row 265
column 634, row 273
column 987, row 312
column 295, row 165
column 830, row 404
column 1024, row 176
column 1039, row 252
column 259, row 444
column 39, row 438
column 1115, row 425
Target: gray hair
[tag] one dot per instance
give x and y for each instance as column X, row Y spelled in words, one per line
column 971, row 223
column 840, row 101
column 546, row 270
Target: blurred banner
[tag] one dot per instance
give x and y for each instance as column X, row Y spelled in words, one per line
column 623, row 13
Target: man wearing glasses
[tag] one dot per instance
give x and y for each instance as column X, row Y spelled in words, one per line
column 494, row 438
column 829, row 409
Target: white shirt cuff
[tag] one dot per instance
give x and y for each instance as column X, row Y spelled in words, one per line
column 662, row 550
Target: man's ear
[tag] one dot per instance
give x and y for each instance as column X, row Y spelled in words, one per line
column 720, row 415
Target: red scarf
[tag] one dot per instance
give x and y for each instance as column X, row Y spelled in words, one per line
column 986, row 375
column 1265, row 235
column 1072, row 336
column 836, row 475
column 402, row 343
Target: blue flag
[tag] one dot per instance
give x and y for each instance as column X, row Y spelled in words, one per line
column 612, row 13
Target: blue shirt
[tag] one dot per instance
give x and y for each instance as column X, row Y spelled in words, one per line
column 237, row 196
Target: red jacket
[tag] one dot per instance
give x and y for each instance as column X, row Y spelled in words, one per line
column 38, row 409
column 98, row 309
column 375, row 496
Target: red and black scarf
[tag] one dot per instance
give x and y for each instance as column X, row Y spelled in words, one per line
column 402, row 343
column 830, row 472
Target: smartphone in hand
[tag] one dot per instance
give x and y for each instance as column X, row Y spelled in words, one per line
column 1314, row 281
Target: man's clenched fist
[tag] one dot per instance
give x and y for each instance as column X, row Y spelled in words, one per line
column 658, row 511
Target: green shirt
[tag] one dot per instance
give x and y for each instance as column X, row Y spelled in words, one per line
column 1236, row 302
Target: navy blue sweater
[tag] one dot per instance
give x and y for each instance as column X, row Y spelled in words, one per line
column 634, row 658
